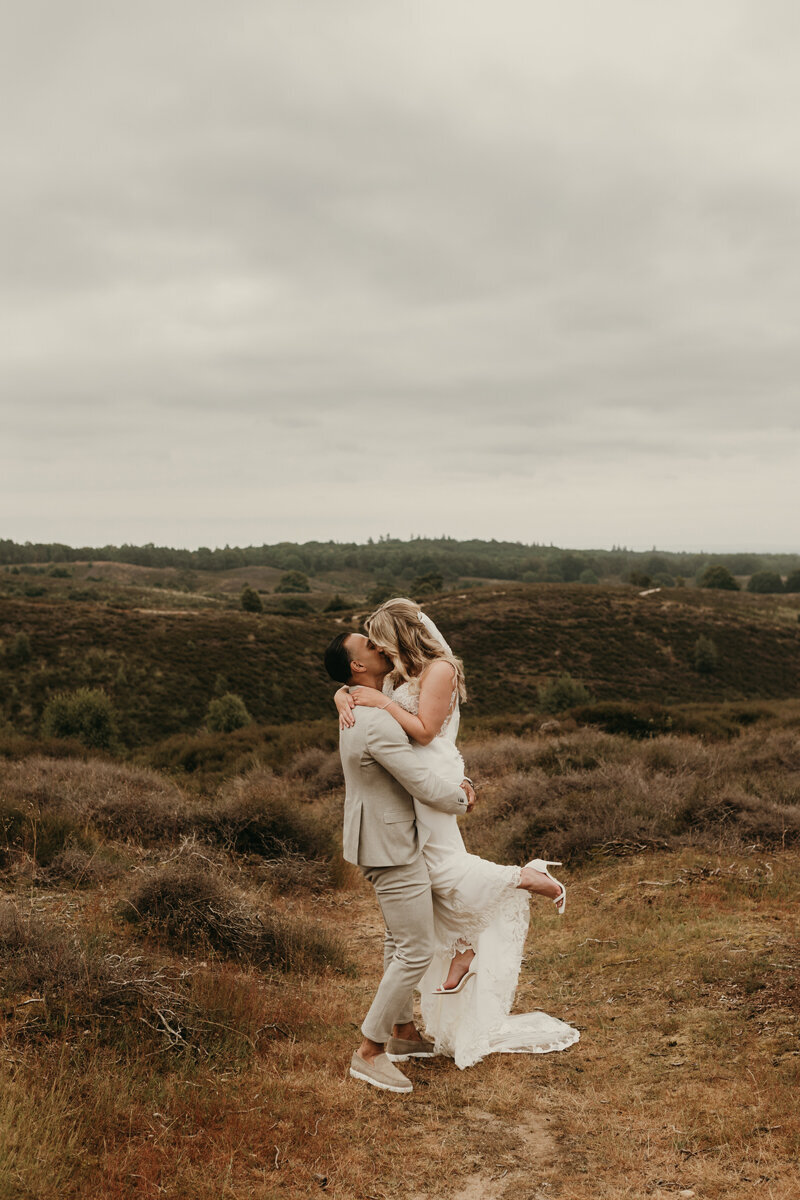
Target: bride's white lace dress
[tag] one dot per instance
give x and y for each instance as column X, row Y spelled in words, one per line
column 476, row 903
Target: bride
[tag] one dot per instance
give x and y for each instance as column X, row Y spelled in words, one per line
column 480, row 908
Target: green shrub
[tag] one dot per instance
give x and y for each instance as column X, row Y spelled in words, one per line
column 381, row 592
column 792, row 582
column 561, row 693
column 294, row 606
column 250, row 600
column 588, row 576
column 336, row 603
column 294, row 581
column 718, row 577
column 226, row 713
column 426, row 585
column 619, row 717
column 765, row 583
column 19, row 651
column 86, row 715
column 706, row 655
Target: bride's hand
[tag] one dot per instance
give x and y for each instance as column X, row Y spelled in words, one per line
column 344, row 704
column 370, row 697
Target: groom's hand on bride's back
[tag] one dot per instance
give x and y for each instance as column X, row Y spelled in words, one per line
column 466, row 786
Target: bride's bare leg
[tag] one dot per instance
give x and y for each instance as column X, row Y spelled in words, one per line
column 462, row 960
column 538, row 883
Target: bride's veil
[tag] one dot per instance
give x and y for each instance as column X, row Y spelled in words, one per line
column 433, row 631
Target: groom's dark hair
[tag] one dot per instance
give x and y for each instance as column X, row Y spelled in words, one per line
column 337, row 660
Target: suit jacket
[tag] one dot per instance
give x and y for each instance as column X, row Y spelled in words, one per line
column 382, row 774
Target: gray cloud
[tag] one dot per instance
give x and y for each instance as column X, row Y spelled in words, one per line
column 288, row 270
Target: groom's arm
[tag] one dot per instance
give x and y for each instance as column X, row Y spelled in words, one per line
column 389, row 746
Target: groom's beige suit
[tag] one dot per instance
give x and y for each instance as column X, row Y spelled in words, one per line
column 382, row 774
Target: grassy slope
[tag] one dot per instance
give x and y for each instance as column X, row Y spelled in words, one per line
column 161, row 666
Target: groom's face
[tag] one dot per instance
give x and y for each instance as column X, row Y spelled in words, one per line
column 362, row 651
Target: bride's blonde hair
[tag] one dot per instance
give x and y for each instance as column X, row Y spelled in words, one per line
column 396, row 629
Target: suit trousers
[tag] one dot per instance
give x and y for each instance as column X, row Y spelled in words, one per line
column 404, row 894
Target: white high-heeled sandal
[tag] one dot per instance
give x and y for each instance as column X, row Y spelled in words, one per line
column 541, row 865
column 443, row 991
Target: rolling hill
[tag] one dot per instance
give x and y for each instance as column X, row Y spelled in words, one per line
column 162, row 666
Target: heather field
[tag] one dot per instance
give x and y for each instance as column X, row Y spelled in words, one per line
column 161, row 658
column 183, row 969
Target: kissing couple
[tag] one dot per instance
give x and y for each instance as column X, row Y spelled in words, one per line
column 455, row 923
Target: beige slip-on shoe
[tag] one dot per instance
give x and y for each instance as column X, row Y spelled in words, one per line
column 380, row 1073
column 400, row 1049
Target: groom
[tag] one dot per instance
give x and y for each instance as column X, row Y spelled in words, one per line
column 380, row 835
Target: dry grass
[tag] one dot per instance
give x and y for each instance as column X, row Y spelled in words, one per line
column 679, row 969
column 172, row 1056
column 123, row 802
column 586, row 794
column 49, row 807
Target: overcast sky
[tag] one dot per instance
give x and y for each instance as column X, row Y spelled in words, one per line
column 336, row 268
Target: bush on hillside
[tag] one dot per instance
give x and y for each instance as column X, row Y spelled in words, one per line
column 765, row 583
column 226, row 713
column 718, row 577
column 602, row 798
column 631, row 720
column 86, row 715
column 293, row 581
column 18, row 652
column 189, row 904
column 588, row 576
column 426, row 585
column 76, row 867
column 561, row 693
column 337, row 603
column 294, row 606
column 792, row 582
column 48, row 805
column 260, row 814
column 83, row 983
column 380, row 592
column 320, row 770
column 250, row 600
column 40, row 836
column 706, row 655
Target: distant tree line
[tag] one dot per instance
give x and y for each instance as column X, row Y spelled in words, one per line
column 392, row 560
